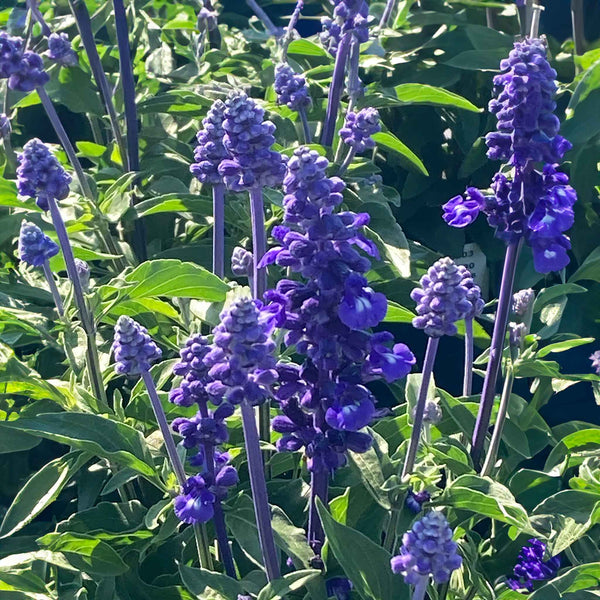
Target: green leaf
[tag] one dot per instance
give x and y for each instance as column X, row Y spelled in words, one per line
column 277, row 589
column 209, row 585
column 16, row 441
column 562, row 346
column 90, row 149
column 173, row 278
column 572, row 450
column 306, row 48
column 174, row 202
column 85, row 553
column 40, row 491
column 111, row 517
column 419, row 93
column 590, row 268
column 365, row 563
column 485, row 497
column 581, row 577
column 369, row 468
column 391, row 142
column 478, row 60
column 92, row 433
column 398, row 314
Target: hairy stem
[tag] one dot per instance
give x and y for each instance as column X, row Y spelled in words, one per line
column 258, row 485
column 53, row 289
column 468, row 375
column 218, row 193
column 497, row 344
column 336, row 89
column 411, row 455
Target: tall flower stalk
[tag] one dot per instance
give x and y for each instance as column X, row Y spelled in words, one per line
column 134, row 352
column 532, row 206
column 327, row 315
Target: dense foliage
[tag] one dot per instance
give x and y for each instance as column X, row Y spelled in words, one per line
column 256, row 338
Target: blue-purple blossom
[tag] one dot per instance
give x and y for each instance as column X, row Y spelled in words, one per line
column 23, row 69
column 327, row 315
column 291, row 88
column 248, row 139
column 60, row 50
column 241, row 262
column 196, row 502
column 432, row 414
column 40, row 175
column 134, row 350
column 531, row 566
column 35, row 247
column 462, row 211
column 527, row 129
column 473, row 293
column 359, row 127
column 595, row 359
column 427, row 549
column 210, row 150
column 522, row 301
column 414, row 500
column 339, row 588
column 241, row 363
column 442, row 299
column 83, row 272
column 348, row 16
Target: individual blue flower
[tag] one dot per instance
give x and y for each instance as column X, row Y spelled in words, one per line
column 473, row 293
column 23, row 69
column 595, row 359
column 359, row 128
column 427, row 550
column 11, row 52
column 531, row 566
column 291, row 88
column 248, row 139
column 361, row 307
column 196, row 502
column 134, row 350
column 390, row 363
column 210, row 150
column 35, row 247
column 241, row 262
column 60, row 50
column 442, row 299
column 352, row 408
column 40, row 175
column 460, row 212
column 522, row 301
column 414, row 500
column 432, row 414
column 527, row 129
column 241, row 363
column 83, row 272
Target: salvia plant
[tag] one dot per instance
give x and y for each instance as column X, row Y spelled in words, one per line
column 256, row 339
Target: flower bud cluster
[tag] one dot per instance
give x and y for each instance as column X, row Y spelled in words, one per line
column 24, row 69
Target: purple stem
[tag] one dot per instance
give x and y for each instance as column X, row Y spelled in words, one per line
column 259, row 492
column 84, row 25
column 37, row 15
column 219, row 230
column 131, row 120
column 263, row 16
column 468, row 376
column 387, row 13
column 52, row 285
column 420, row 588
column 355, row 88
column 87, row 322
column 347, row 161
column 319, row 484
column 219, row 517
column 259, row 241
column 336, row 89
column 411, row 455
column 493, row 367
column 305, row 126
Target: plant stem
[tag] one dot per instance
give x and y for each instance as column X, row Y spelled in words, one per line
column 387, row 13
column 525, row 13
column 411, row 455
column 468, row 376
column 319, row 484
column 389, row 541
column 289, row 30
column 218, row 192
column 87, row 321
column 336, row 89
column 497, row 344
column 259, row 492
column 131, row 120
column 52, row 285
column 176, row 464
column 492, row 453
column 37, row 15
column 535, row 20
column 490, row 18
column 305, row 125
column 347, row 161
column 84, row 25
column 263, row 16
column 420, row 588
column 578, row 27
column 355, row 88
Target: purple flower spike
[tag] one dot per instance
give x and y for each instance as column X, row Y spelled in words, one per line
column 248, row 140
column 358, row 129
column 196, row 503
column 442, row 299
column 35, row 247
column 241, row 363
column 473, row 293
column 427, row 549
column 524, row 105
column 348, row 15
column 531, row 567
column 210, row 150
column 134, row 349
column 40, row 175
column 23, row 69
column 60, row 50
column 241, row 262
column 291, row 88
